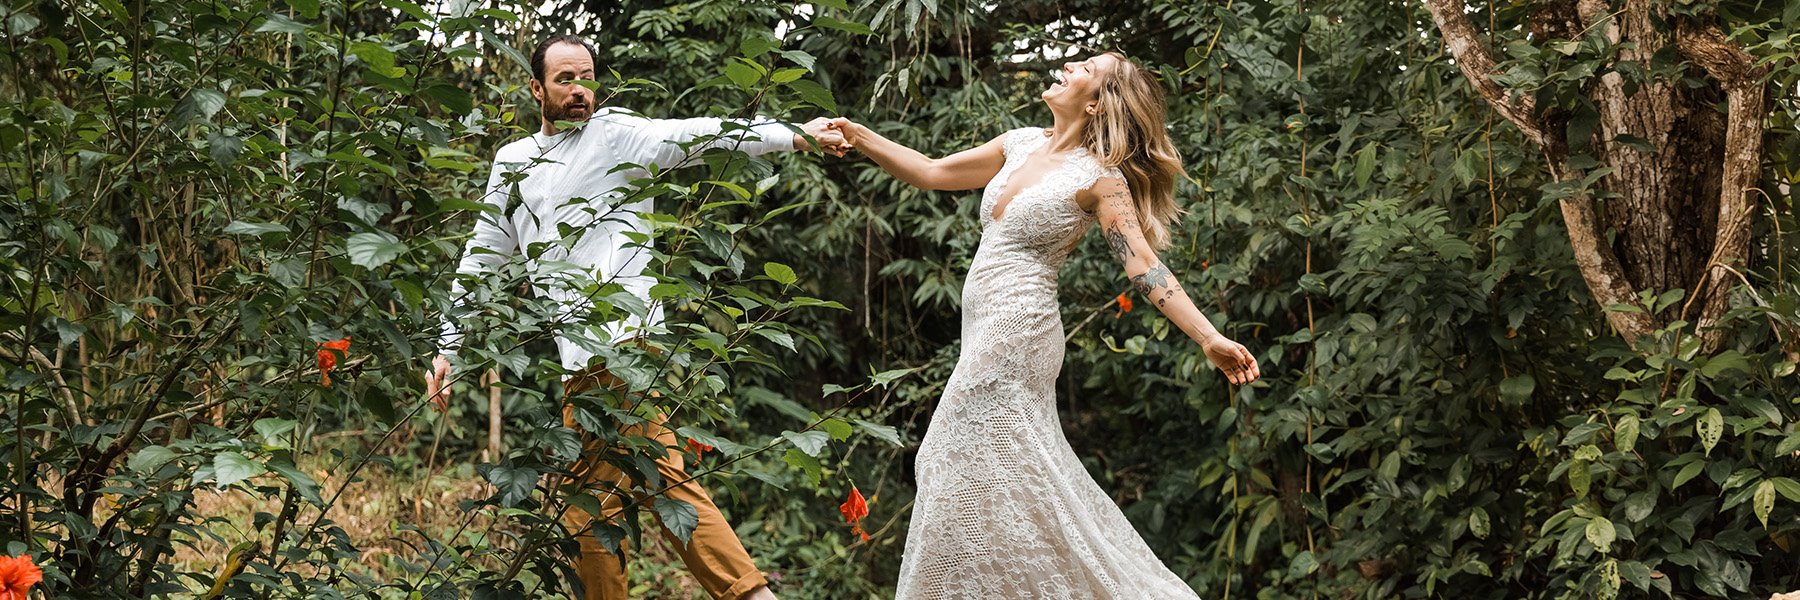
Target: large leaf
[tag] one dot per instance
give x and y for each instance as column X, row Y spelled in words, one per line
column 371, row 250
column 231, row 467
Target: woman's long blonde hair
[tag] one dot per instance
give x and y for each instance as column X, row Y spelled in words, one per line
column 1129, row 131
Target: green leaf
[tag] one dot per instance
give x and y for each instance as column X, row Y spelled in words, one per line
column 1710, row 427
column 452, row 98
column 1517, row 389
column 1578, row 478
column 1729, row 360
column 224, row 149
column 1303, row 565
column 199, row 105
column 272, row 429
column 781, row 273
column 231, row 467
column 1789, row 488
column 1639, row 505
column 411, row 9
column 1762, row 408
column 515, row 483
column 1600, row 533
column 371, row 250
column 277, row 23
column 886, row 377
column 247, row 228
column 302, row 483
column 150, row 459
column 813, row 94
column 378, row 57
column 787, row 75
column 724, row 446
column 880, row 432
column 840, row 25
column 1763, row 501
column 1686, row 473
column 1625, row 433
column 1478, row 522
column 838, row 429
column 679, row 516
column 743, row 73
column 810, row 442
column 806, row 464
column 1365, row 164
column 1609, row 579
column 306, row 8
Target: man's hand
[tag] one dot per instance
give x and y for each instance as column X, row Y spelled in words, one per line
column 827, row 133
column 437, row 387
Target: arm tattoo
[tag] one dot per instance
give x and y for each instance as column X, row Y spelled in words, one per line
column 1157, row 277
column 1115, row 239
column 1120, row 202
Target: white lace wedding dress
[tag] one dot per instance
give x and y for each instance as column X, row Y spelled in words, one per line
column 1004, row 508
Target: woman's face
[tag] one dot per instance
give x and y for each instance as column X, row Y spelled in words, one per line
column 1077, row 83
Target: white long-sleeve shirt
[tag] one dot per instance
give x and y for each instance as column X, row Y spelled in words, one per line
column 573, row 178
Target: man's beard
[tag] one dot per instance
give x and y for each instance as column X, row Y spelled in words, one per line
column 566, row 113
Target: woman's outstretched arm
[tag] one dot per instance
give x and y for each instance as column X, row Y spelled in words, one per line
column 1118, row 218
column 964, row 170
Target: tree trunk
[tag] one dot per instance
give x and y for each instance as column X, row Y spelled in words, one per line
column 1671, row 210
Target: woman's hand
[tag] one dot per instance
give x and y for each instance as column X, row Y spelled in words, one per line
column 1232, row 358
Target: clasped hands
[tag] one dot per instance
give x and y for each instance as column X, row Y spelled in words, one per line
column 829, row 133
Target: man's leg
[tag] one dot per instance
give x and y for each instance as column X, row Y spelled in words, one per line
column 714, row 555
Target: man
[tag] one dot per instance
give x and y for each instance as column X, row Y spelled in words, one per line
column 564, row 177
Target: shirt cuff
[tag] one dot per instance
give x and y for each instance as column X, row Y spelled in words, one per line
column 777, row 135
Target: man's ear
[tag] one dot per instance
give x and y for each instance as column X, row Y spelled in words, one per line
column 537, row 90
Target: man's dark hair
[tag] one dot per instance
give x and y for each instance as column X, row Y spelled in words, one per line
column 537, row 56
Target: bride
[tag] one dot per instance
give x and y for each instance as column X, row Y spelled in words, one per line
column 1004, row 507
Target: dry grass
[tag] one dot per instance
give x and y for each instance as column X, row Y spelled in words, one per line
column 373, row 509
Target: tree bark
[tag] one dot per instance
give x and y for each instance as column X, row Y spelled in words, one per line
column 1674, row 210
column 1746, row 105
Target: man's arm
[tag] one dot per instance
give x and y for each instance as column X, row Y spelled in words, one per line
column 494, row 241
column 660, row 142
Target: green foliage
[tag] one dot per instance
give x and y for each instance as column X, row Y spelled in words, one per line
column 201, row 194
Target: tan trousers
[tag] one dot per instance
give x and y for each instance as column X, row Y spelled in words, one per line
column 713, row 555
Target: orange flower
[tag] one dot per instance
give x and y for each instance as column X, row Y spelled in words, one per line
column 17, row 575
column 854, row 509
column 328, row 360
column 1124, row 306
column 698, row 447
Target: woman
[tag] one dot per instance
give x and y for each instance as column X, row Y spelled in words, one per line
column 1004, row 508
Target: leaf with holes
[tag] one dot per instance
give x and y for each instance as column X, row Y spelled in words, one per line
column 1710, row 428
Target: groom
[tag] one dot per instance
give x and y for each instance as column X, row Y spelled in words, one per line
column 570, row 176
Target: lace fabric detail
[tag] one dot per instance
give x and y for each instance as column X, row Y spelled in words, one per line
column 1005, row 509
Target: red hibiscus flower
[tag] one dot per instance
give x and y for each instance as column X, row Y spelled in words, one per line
column 17, row 575
column 328, row 358
column 854, row 509
column 1124, row 305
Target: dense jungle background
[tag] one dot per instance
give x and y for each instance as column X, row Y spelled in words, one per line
column 1523, row 278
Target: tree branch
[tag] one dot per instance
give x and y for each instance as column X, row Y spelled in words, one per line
column 1746, row 105
column 1599, row 266
column 1477, row 65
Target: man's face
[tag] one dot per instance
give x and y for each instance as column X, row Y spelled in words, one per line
column 557, row 94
